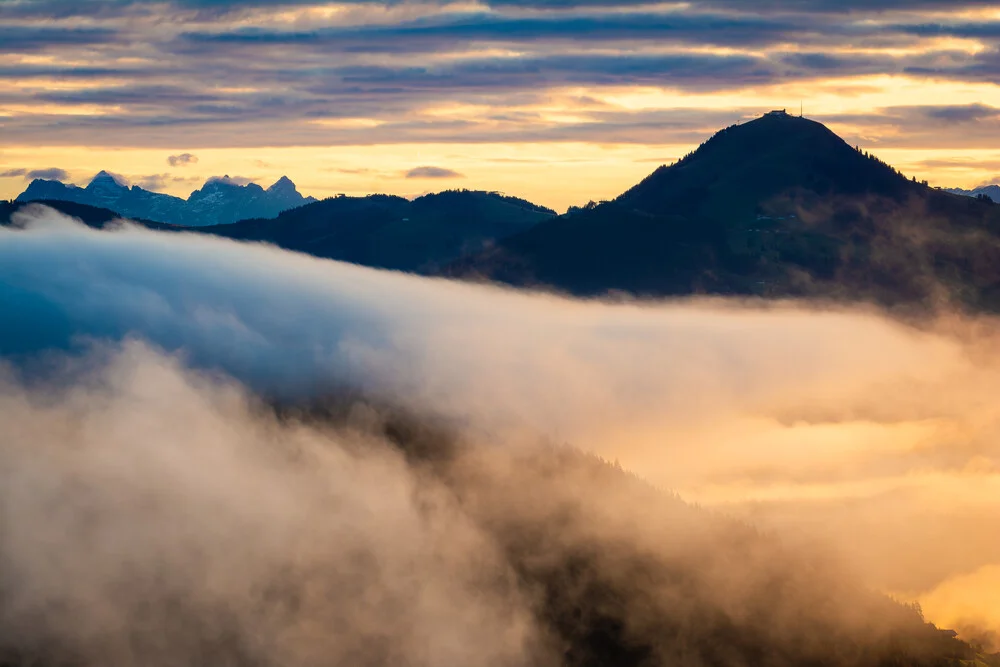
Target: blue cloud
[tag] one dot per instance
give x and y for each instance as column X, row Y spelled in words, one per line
column 51, row 174
column 23, row 39
column 432, row 172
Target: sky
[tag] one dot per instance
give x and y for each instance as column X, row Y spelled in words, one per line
column 556, row 101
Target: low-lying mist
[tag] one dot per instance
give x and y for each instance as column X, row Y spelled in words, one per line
column 155, row 505
column 153, row 517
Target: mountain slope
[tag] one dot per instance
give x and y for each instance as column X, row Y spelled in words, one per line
column 219, row 201
column 92, row 216
column 392, row 232
column 779, row 206
column 624, row 575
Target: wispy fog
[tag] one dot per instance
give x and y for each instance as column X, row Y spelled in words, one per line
column 151, row 518
column 132, row 434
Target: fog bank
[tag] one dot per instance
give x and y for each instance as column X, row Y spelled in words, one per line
column 833, row 425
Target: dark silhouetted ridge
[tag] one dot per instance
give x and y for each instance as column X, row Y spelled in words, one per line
column 392, row 232
column 92, row 216
column 744, row 164
column 776, row 207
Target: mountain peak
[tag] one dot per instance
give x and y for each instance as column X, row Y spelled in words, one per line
column 747, row 163
column 105, row 180
column 283, row 184
column 777, row 131
column 222, row 180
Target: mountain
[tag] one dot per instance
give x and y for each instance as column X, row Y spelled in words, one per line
column 391, row 232
column 283, row 195
column 223, row 201
column 219, row 201
column 991, row 191
column 110, row 192
column 780, row 207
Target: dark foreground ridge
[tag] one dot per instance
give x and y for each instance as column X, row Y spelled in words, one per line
column 92, row 216
column 383, row 231
column 390, row 232
column 777, row 207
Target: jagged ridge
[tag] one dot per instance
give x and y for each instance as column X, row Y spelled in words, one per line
column 219, row 201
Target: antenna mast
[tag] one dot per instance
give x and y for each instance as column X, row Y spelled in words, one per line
column 801, row 107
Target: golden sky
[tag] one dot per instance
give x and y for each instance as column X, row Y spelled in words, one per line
column 556, row 101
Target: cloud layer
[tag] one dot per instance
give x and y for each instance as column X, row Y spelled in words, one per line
column 182, row 160
column 53, row 173
column 432, row 172
column 836, row 426
column 122, row 554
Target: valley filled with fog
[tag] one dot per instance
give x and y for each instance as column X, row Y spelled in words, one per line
column 227, row 451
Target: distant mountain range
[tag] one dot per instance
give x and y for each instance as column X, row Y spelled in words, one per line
column 776, row 207
column 991, row 191
column 219, row 201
